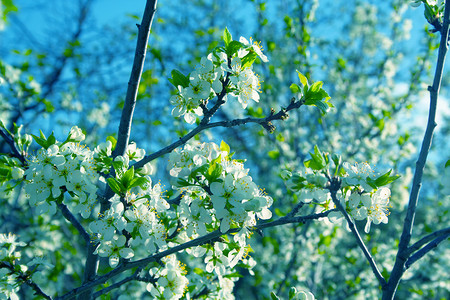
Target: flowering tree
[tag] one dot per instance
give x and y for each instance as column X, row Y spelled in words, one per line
column 192, row 240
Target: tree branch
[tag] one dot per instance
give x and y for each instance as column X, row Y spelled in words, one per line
column 417, row 245
column 123, row 135
column 135, row 77
column 25, row 278
column 9, row 139
column 135, row 276
column 195, row 242
column 265, row 122
column 71, row 218
column 430, row 246
column 335, row 184
column 402, row 255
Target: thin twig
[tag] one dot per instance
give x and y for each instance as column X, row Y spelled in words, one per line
column 265, row 122
column 25, row 279
column 335, row 185
column 402, row 255
column 9, row 139
column 417, row 245
column 421, row 253
column 73, row 220
column 135, row 276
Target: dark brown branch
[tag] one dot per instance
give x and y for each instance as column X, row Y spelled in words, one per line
column 91, row 264
column 135, row 276
column 402, row 255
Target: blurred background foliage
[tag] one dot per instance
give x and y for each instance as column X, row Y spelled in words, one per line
column 65, row 63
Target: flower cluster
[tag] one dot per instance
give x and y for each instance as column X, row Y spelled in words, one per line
column 62, row 167
column 217, row 193
column 362, row 191
column 132, row 220
column 223, row 69
column 172, row 282
column 9, row 256
column 216, row 187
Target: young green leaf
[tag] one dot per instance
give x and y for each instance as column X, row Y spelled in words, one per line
column 248, row 60
column 233, row 47
column 42, row 142
column 51, row 140
column 273, row 296
column 295, row 88
column 303, row 79
column 292, row 293
column 114, row 185
column 317, row 161
column 113, row 141
column 138, row 181
column 127, row 178
column 179, row 79
column 227, row 37
column 224, row 147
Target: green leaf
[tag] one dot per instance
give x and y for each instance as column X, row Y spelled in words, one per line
column 138, row 181
column 42, row 135
column 227, row 38
column 317, row 161
column 447, row 163
column 9, row 7
column 235, row 274
column 248, row 60
column 316, row 87
column 382, row 180
column 295, row 88
column 117, row 165
column 113, row 141
column 322, row 106
column 273, row 296
column 179, row 79
column 214, row 172
column 127, row 178
column 274, row 154
column 292, row 293
column 41, row 141
column 51, row 140
column 202, row 170
column 224, row 147
column 233, row 47
column 182, row 182
column 302, row 78
column 114, row 185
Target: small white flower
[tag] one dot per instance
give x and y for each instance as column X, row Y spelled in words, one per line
column 17, row 173
column 379, row 209
column 198, row 89
column 134, row 153
column 253, row 46
column 76, row 134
